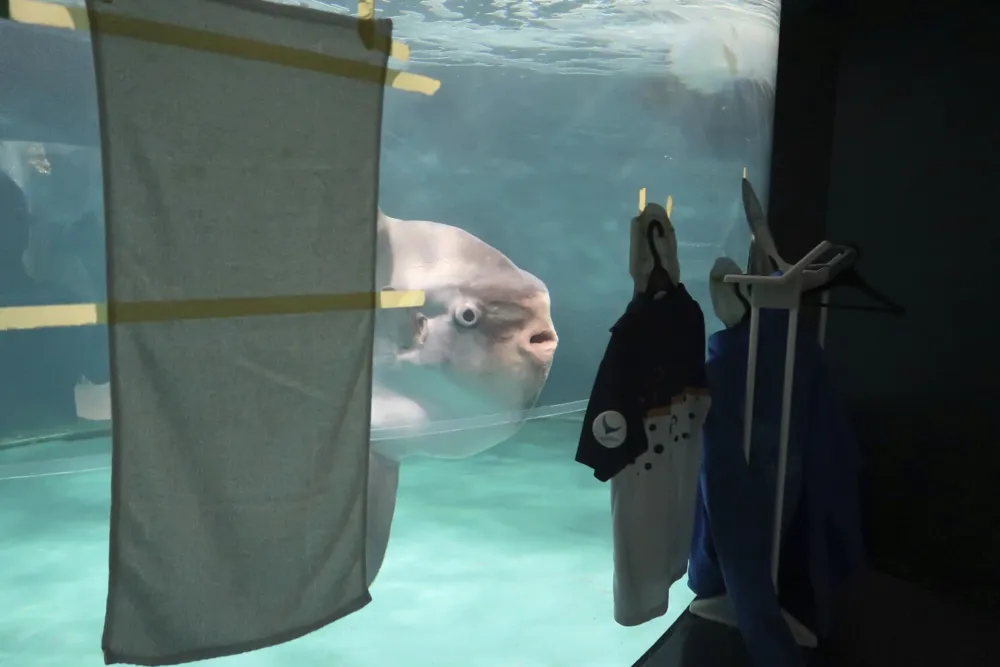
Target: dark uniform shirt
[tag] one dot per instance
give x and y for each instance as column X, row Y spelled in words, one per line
column 655, row 357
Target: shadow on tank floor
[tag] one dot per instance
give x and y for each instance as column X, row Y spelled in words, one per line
column 884, row 622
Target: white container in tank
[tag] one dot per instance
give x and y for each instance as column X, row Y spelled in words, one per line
column 93, row 401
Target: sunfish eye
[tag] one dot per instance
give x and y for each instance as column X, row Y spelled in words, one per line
column 467, row 315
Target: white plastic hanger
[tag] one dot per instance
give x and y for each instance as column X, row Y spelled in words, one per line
column 779, row 292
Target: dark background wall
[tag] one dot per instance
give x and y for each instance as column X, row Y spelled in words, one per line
column 886, row 137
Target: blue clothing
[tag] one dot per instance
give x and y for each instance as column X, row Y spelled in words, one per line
column 821, row 524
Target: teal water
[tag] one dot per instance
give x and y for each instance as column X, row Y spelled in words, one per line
column 500, row 560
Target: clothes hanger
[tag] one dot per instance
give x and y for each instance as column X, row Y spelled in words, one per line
column 764, row 258
column 849, row 277
column 659, row 277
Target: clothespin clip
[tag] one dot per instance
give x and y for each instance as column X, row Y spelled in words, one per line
column 396, row 79
column 366, row 14
column 640, row 252
column 366, row 22
column 642, row 202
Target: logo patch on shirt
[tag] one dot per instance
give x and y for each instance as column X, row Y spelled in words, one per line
column 610, row 429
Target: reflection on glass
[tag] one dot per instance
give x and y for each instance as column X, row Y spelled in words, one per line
column 51, row 253
column 506, row 198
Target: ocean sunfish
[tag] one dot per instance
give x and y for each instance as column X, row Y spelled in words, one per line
column 480, row 346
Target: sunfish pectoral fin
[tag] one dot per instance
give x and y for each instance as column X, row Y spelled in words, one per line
column 383, row 483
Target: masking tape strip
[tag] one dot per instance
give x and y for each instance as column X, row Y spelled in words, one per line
column 670, row 205
column 140, row 312
column 75, row 18
column 43, row 13
column 399, row 51
column 366, row 10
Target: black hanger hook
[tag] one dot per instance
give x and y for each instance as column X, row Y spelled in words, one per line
column 657, row 226
column 659, row 279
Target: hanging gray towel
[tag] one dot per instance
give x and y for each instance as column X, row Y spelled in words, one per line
column 240, row 148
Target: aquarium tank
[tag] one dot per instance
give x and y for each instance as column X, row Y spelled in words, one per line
column 550, row 117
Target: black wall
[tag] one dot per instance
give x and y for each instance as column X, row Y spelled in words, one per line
column 886, row 137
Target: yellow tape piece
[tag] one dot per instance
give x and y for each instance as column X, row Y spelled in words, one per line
column 89, row 314
column 399, row 51
column 44, row 317
column 75, row 18
column 401, row 299
column 412, row 83
column 43, row 13
column 670, row 205
column 366, row 10
column 642, row 199
column 744, row 173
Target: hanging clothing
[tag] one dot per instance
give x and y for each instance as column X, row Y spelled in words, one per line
column 241, row 198
column 642, row 431
column 821, row 544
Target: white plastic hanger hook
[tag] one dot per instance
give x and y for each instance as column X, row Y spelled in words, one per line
column 758, row 225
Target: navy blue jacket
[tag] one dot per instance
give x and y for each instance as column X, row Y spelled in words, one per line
column 822, row 542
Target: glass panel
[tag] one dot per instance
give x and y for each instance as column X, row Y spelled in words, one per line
column 550, row 118
column 51, row 236
column 528, row 161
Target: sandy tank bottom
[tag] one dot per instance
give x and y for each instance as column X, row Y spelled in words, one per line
column 500, row 560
